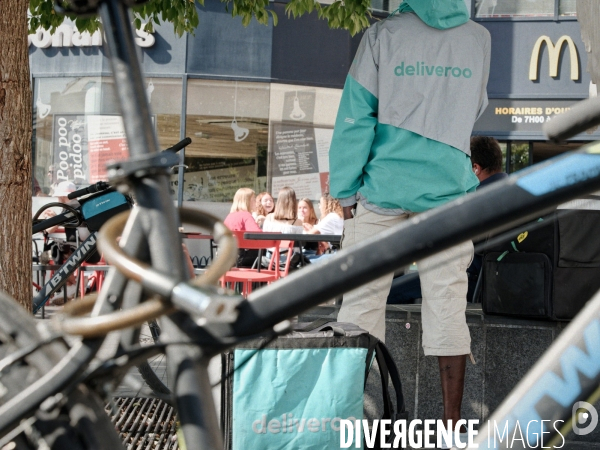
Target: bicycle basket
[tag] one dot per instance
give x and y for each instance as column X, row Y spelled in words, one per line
column 98, row 208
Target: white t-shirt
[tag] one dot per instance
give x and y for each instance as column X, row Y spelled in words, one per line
column 331, row 224
column 272, row 225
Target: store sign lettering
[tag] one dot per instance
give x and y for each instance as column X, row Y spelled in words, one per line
column 553, row 57
column 67, row 36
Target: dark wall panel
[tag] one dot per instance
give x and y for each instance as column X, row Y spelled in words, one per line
column 222, row 46
column 306, row 51
column 512, row 46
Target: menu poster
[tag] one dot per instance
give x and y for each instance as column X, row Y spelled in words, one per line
column 299, row 158
column 106, row 142
column 70, row 150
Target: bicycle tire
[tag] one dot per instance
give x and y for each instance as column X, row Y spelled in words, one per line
column 154, row 371
column 81, row 422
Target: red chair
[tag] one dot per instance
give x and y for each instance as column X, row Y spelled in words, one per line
column 94, row 280
column 246, row 277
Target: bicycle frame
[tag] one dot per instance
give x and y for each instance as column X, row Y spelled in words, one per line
column 65, row 271
column 152, row 229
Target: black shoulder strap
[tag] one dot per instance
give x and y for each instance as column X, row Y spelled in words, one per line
column 387, row 366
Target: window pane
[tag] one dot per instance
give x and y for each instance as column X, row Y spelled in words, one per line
column 164, row 95
column 383, row 5
column 514, row 8
column 78, row 128
column 519, row 155
column 503, row 146
column 567, row 8
column 228, row 123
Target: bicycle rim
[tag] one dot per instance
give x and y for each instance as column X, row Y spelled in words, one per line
column 154, row 371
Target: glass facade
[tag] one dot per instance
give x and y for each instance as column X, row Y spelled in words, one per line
column 244, row 134
column 78, row 129
column 523, row 8
column 228, row 123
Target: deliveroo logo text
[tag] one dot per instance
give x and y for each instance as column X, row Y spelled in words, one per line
column 420, row 69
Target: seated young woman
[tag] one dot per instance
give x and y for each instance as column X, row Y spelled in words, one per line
column 331, row 222
column 284, row 218
column 264, row 205
column 240, row 219
column 306, row 213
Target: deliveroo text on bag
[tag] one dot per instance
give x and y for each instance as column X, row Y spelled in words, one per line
column 295, row 398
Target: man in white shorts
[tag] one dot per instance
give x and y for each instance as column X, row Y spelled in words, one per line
column 400, row 147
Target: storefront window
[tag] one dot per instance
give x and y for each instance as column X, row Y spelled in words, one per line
column 519, row 155
column 514, row 8
column 567, row 8
column 385, row 5
column 72, row 115
column 78, row 129
column 228, row 123
column 503, row 147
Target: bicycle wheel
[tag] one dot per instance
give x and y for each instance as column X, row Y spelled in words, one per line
column 80, row 423
column 154, row 371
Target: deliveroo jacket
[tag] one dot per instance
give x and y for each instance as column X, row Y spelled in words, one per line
column 402, row 134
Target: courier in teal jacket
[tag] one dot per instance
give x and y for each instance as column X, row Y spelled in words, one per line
column 401, row 146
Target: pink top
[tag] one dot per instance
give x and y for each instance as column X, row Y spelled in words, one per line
column 241, row 221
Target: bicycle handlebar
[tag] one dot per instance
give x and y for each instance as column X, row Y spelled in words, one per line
column 583, row 116
column 103, row 185
column 99, row 186
column 181, row 144
column 66, row 217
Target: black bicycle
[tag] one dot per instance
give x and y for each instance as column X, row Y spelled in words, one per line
column 50, row 390
column 96, row 204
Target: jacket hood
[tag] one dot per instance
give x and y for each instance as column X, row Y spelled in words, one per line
column 440, row 14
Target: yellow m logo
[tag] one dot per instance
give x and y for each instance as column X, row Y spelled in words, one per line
column 553, row 56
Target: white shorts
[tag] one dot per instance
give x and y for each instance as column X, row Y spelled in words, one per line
column 443, row 286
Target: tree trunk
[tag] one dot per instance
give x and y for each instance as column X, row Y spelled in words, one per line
column 15, row 153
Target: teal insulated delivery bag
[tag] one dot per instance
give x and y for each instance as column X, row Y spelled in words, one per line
column 292, row 392
column 98, row 208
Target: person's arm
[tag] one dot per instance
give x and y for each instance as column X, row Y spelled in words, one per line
column 355, row 124
column 188, row 261
column 483, row 102
column 311, row 229
column 250, row 224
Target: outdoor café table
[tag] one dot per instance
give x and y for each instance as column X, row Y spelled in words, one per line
column 194, row 235
column 300, row 238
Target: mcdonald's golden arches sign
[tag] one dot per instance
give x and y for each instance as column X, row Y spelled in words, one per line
column 553, row 57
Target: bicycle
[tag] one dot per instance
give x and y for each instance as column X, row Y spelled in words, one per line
column 79, row 215
column 71, row 218
column 199, row 320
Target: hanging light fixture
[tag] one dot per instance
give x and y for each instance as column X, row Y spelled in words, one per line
column 42, row 109
column 239, row 133
column 149, row 91
column 297, row 113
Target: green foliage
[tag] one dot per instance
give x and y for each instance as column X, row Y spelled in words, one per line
column 181, row 14
column 519, row 156
column 352, row 15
